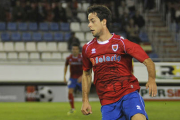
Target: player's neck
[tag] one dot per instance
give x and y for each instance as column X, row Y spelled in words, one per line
column 75, row 55
column 105, row 36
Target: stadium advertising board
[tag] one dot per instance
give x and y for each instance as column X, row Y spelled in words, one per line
column 163, row 93
column 33, row 93
column 168, row 71
column 165, row 72
column 46, row 93
column 12, row 94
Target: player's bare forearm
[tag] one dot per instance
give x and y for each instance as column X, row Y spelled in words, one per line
column 65, row 71
column 86, row 84
column 151, row 84
column 151, row 68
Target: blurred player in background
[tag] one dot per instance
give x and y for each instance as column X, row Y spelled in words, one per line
column 110, row 56
column 75, row 63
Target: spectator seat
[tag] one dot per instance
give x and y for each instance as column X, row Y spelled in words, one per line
column 22, row 26
column 26, row 36
column 2, row 26
column 12, row 26
column 58, row 36
column 15, row 36
column 5, row 37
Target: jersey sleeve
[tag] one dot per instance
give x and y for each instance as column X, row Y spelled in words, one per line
column 87, row 65
column 135, row 50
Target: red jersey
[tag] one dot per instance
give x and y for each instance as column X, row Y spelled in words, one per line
column 111, row 61
column 75, row 65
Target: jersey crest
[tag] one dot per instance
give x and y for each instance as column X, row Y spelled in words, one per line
column 115, row 47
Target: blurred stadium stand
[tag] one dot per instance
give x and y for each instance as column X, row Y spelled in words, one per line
column 48, row 40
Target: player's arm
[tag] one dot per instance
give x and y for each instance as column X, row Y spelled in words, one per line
column 65, row 68
column 65, row 71
column 86, row 85
column 137, row 52
column 151, row 84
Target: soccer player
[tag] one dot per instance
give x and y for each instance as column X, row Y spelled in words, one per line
column 110, row 56
column 75, row 63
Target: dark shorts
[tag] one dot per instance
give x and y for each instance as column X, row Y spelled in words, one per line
column 125, row 108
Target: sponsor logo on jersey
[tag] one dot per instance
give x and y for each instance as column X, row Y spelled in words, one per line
column 115, row 47
column 104, row 58
column 93, row 51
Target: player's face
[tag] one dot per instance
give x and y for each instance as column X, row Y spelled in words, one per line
column 75, row 50
column 95, row 25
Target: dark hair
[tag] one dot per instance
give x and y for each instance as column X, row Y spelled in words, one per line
column 72, row 33
column 75, row 44
column 102, row 11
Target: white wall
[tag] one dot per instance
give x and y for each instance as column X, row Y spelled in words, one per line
column 32, row 72
column 40, row 72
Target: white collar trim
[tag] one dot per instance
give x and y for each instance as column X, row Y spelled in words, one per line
column 106, row 41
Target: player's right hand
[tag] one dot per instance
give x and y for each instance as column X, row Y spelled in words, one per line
column 65, row 80
column 86, row 108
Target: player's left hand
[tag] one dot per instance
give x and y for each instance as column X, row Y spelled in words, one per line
column 86, row 108
column 151, row 84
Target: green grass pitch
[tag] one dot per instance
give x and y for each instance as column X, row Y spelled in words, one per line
column 159, row 110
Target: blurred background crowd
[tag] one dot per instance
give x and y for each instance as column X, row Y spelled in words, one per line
column 129, row 19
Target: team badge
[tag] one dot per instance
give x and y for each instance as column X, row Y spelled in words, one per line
column 115, row 47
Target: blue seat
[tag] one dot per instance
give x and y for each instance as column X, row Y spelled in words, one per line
column 16, row 36
column 43, row 26
column 54, row 26
column 26, row 36
column 2, row 26
column 48, row 37
column 37, row 37
column 33, row 26
column 11, row 26
column 154, row 57
column 64, row 26
column 58, row 36
column 22, row 26
column 5, row 37
column 144, row 37
column 67, row 35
